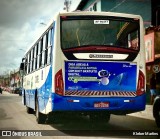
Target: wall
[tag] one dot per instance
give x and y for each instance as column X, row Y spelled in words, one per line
column 140, row 7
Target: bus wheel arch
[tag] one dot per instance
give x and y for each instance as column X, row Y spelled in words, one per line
column 28, row 109
column 40, row 117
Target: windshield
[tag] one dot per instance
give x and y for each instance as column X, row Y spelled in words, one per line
column 99, row 31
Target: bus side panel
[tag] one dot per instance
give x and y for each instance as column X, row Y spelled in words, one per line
column 39, row 88
column 44, row 91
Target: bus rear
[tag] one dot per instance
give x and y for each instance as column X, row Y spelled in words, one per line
column 100, row 65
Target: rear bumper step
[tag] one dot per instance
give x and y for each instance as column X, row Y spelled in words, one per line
column 101, row 93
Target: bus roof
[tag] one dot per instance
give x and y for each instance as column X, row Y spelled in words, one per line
column 99, row 13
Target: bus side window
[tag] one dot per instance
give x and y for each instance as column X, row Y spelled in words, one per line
column 39, row 55
column 33, row 59
column 38, row 61
column 36, row 56
column 48, row 53
column 49, row 38
column 28, row 63
column 46, row 49
column 43, row 50
column 42, row 58
column 31, row 55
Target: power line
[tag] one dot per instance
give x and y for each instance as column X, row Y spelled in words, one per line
column 119, row 4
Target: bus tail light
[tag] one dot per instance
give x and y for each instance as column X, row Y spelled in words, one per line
column 59, row 86
column 141, row 84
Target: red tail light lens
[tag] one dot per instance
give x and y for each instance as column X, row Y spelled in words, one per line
column 141, row 84
column 59, row 86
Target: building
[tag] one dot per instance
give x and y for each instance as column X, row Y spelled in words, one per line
column 152, row 44
column 4, row 80
column 148, row 9
column 15, row 78
column 155, row 5
column 12, row 79
column 140, row 7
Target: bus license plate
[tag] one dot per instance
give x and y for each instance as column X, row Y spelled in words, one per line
column 101, row 105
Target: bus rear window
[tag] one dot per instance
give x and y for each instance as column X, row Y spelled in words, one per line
column 96, row 31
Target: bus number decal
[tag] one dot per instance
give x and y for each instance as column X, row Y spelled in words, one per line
column 101, row 21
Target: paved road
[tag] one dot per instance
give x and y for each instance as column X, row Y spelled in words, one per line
column 13, row 116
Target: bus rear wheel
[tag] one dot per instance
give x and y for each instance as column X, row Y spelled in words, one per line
column 40, row 117
column 158, row 122
column 29, row 110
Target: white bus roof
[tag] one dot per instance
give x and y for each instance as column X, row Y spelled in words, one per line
column 99, row 13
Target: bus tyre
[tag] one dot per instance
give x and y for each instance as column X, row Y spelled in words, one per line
column 158, row 122
column 29, row 110
column 40, row 117
column 156, row 112
column 24, row 98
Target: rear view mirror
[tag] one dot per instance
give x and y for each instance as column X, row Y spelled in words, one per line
column 21, row 66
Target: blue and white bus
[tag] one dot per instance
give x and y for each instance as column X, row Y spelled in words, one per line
column 90, row 63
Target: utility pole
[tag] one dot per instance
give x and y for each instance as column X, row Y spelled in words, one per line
column 67, row 4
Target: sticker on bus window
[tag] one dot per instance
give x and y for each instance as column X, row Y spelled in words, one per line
column 101, row 21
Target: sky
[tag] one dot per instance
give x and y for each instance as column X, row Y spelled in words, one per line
column 20, row 24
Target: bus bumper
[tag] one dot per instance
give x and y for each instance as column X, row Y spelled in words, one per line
column 113, row 105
